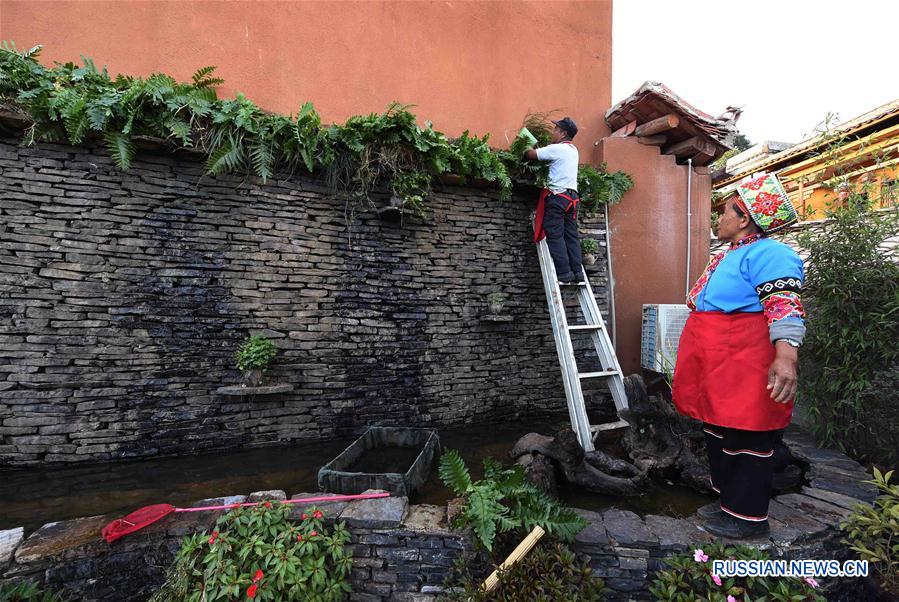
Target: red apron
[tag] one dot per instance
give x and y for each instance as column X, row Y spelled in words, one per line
column 721, row 375
column 539, row 234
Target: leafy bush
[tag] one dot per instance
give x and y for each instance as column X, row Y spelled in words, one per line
column 874, row 532
column 852, row 294
column 258, row 553
column 255, row 353
column 597, row 187
column 503, row 500
column 687, row 577
column 25, row 591
column 589, row 245
column 548, row 572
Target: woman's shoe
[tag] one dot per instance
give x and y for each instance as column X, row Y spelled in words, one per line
column 734, row 528
column 712, row 510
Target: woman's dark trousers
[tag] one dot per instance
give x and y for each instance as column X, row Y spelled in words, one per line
column 562, row 238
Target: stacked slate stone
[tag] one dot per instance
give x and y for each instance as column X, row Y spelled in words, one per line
column 125, row 295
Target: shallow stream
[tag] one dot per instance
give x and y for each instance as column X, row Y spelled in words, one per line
column 32, row 497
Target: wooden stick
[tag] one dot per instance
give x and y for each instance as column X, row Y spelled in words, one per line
column 517, row 554
column 657, row 126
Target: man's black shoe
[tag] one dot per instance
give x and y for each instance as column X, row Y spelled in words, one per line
column 734, row 528
column 712, row 510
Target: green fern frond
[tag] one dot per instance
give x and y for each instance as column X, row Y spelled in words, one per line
column 263, row 160
column 121, row 148
column 228, row 158
column 453, row 472
column 201, row 77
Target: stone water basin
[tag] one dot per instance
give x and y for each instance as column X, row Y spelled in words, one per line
column 395, row 459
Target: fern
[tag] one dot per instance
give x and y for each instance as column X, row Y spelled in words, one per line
column 504, row 501
column 121, row 149
column 262, row 159
column 202, row 79
column 454, row 473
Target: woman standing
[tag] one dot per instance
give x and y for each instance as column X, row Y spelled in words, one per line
column 736, row 362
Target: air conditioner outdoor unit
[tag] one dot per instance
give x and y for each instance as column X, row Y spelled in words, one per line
column 662, row 327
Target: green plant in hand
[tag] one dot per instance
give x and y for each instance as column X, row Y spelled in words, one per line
column 874, row 532
column 259, row 553
column 549, row 571
column 589, row 245
column 25, row 591
column 687, row 577
column 504, row 501
column 255, row 353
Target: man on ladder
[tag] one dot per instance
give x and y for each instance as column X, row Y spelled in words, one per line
column 556, row 217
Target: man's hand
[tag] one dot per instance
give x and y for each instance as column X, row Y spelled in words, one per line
column 782, row 373
column 531, row 154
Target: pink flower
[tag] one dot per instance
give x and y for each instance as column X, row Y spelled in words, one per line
column 258, row 576
column 251, row 591
column 313, row 533
column 299, row 538
column 811, row 582
column 731, row 599
column 268, row 504
column 317, row 514
column 716, row 579
column 699, row 555
column 213, row 537
column 304, row 516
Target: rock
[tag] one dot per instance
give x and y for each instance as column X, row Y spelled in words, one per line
column 673, row 533
column 627, row 529
column 57, row 539
column 271, row 494
column 830, row 481
column 540, row 472
column 426, row 517
column 796, row 519
column 822, row 511
column 331, row 510
column 378, row 513
column 832, row 497
column 9, row 540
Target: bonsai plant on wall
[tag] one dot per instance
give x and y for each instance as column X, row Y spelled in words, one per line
column 495, row 302
column 589, row 246
column 253, row 358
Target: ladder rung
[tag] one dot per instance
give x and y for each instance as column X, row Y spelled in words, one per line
column 582, row 283
column 587, row 327
column 610, row 426
column 603, row 374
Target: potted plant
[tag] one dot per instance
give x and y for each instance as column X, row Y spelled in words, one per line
column 589, row 246
column 253, row 358
column 495, row 302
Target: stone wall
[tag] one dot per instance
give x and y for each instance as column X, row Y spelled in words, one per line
column 125, row 295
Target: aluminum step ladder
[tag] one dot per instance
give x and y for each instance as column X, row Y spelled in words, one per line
column 595, row 326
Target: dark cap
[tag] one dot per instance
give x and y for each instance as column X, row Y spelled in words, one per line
column 567, row 125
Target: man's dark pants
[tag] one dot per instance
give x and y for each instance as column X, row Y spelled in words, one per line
column 562, row 237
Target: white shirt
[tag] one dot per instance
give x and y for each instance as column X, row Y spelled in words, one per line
column 563, row 159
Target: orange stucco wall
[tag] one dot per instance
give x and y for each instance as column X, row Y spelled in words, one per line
column 479, row 66
column 648, row 236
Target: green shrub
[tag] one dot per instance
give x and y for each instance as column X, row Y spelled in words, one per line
column 851, row 293
column 597, row 187
column 255, row 353
column 504, row 501
column 589, row 245
column 25, row 591
column 874, row 532
column 258, row 553
column 550, row 571
column 687, row 577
